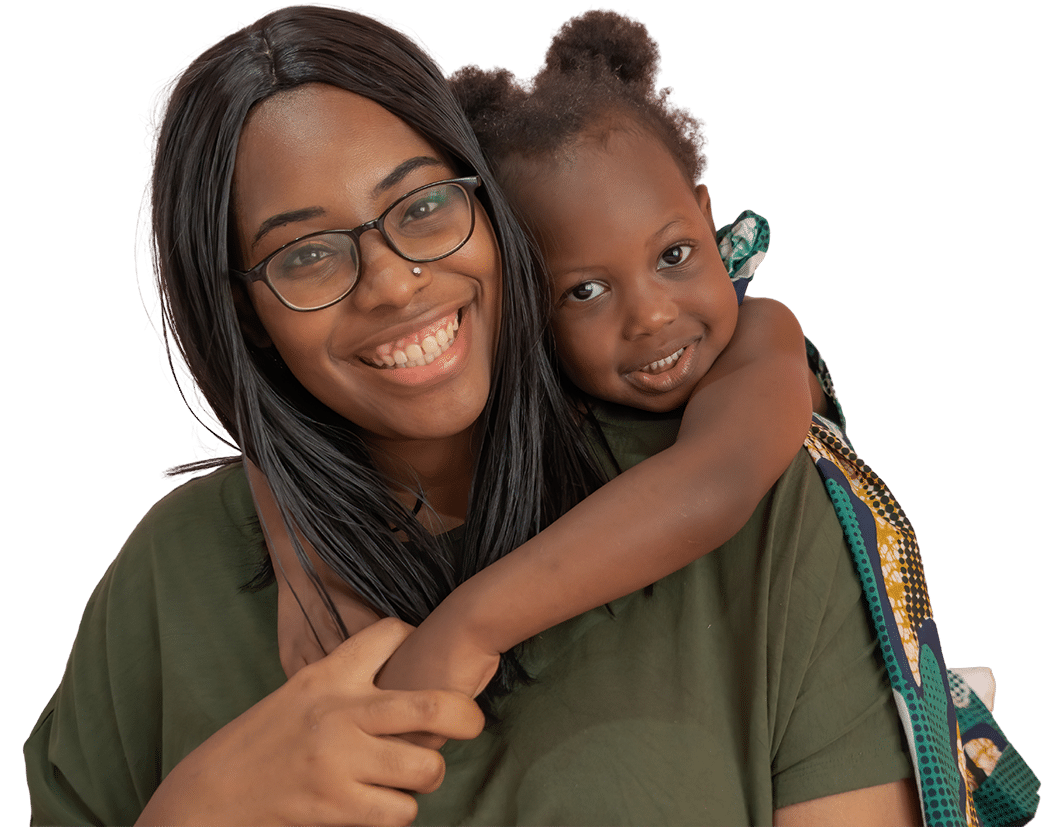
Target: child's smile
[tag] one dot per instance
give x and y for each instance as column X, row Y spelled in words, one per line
column 642, row 304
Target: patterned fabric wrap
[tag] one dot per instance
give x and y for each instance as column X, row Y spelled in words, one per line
column 966, row 770
column 743, row 245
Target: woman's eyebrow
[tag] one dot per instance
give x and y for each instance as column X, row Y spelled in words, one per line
column 284, row 218
column 397, row 175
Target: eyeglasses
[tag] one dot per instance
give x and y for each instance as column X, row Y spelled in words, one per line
column 318, row 270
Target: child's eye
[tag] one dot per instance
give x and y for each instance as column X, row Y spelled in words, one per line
column 675, row 255
column 585, row 291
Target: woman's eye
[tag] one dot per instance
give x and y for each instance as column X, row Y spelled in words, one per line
column 307, row 256
column 314, row 259
column 675, row 255
column 585, row 291
column 429, row 203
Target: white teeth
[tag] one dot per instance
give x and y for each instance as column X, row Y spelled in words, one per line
column 416, row 354
column 663, row 364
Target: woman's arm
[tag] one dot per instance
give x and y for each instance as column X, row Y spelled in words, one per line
column 886, row 805
column 743, row 425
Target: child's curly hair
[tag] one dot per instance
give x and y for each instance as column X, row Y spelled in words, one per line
column 599, row 76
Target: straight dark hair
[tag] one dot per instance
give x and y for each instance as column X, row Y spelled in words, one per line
column 532, row 463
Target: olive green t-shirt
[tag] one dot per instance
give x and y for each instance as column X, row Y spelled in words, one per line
column 747, row 681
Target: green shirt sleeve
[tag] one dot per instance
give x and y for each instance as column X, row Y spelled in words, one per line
column 170, row 648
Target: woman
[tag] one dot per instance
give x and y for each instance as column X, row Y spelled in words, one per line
column 312, row 121
column 301, row 392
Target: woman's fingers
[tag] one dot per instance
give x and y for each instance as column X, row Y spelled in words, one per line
column 438, row 712
column 319, row 749
column 384, row 807
column 364, row 654
column 400, row 765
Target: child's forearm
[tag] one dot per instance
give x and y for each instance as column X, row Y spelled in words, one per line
column 742, row 428
column 649, row 522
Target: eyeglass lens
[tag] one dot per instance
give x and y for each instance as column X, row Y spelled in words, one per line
column 424, row 225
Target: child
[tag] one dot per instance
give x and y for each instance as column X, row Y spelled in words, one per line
column 644, row 315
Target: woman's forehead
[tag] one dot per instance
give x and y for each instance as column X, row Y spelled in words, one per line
column 306, row 123
column 321, row 146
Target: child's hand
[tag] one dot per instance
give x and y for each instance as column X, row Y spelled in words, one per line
column 438, row 655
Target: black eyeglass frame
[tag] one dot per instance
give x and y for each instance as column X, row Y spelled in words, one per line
column 259, row 272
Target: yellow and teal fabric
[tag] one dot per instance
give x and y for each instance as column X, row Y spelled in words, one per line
column 967, row 771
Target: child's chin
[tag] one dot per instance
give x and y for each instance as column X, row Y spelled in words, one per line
column 655, row 403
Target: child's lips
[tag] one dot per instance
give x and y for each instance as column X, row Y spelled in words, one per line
column 666, row 373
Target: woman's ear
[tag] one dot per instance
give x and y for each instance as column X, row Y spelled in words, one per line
column 252, row 329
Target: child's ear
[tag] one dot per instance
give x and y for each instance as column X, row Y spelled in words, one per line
column 705, row 205
column 250, row 322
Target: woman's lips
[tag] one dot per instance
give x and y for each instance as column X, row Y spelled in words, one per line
column 437, row 361
column 420, row 348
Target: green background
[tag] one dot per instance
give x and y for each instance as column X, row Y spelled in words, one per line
column 893, row 149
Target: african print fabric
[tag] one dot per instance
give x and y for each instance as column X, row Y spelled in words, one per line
column 743, row 245
column 966, row 770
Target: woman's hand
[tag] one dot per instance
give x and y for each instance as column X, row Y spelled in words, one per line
column 321, row 749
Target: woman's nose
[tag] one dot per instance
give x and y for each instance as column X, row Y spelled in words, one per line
column 650, row 308
column 386, row 279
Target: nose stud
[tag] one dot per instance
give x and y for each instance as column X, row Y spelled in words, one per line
column 416, row 271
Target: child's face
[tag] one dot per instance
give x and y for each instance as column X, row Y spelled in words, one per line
column 642, row 304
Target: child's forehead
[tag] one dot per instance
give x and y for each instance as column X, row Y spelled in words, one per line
column 619, row 153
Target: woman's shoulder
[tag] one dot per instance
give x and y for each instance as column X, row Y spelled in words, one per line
column 218, row 498
column 211, row 511
column 170, row 647
column 200, row 543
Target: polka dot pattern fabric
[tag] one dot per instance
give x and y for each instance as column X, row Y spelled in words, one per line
column 967, row 772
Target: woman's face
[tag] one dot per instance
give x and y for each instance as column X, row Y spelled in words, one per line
column 320, row 158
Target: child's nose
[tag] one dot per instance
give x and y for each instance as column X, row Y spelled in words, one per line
column 651, row 308
column 386, row 279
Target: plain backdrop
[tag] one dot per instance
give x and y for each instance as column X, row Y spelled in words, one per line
column 892, row 146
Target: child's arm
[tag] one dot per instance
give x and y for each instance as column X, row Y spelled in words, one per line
column 743, row 425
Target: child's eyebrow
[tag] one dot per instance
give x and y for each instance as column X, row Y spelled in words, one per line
column 667, row 228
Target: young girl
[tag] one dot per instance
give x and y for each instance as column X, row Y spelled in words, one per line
column 645, row 315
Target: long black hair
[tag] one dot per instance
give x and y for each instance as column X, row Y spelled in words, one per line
column 531, row 463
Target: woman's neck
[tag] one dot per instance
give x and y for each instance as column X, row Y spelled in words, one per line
column 442, row 469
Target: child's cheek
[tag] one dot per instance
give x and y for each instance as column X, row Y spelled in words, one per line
column 570, row 351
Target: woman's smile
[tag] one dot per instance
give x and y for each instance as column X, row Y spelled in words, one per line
column 407, row 354
column 430, row 355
